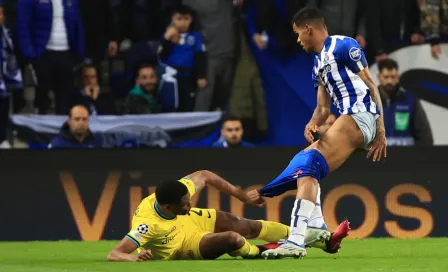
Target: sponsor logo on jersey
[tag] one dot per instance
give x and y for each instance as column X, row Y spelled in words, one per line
column 167, row 240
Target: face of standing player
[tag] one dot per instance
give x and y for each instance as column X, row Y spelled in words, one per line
column 232, row 131
column 182, row 22
column 304, row 37
column 308, row 36
column 79, row 121
column 183, row 207
column 389, row 80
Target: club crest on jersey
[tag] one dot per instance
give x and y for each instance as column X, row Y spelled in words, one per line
column 355, row 54
column 143, row 228
column 191, row 40
column 326, row 59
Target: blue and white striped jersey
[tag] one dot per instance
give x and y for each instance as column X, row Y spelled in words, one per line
column 336, row 67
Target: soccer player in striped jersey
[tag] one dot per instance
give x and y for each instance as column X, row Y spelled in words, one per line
column 341, row 73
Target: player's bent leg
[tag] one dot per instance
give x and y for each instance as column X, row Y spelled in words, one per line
column 251, row 229
column 303, row 208
column 214, row 245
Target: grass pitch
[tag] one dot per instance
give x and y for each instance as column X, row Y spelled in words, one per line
column 356, row 255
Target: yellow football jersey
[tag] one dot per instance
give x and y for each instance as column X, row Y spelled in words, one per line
column 153, row 230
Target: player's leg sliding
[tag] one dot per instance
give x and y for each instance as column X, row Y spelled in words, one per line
column 247, row 251
column 303, row 173
column 272, row 232
column 214, row 245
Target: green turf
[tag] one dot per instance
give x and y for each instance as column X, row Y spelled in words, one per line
column 357, row 255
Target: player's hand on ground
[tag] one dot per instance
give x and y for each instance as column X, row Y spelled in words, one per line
column 309, row 130
column 254, row 198
column 378, row 148
column 144, row 256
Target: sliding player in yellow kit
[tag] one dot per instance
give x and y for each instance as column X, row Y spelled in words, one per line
column 166, row 227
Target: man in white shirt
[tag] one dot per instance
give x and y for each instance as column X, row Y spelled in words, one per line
column 51, row 38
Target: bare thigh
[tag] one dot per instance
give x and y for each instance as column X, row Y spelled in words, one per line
column 339, row 142
column 230, row 222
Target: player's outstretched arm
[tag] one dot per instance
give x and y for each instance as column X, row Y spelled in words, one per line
column 204, row 177
column 378, row 147
column 320, row 114
column 122, row 253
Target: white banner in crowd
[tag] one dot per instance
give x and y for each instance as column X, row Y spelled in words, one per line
column 150, row 130
column 419, row 57
column 51, row 124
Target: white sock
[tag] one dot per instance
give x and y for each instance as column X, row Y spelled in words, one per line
column 299, row 220
column 317, row 219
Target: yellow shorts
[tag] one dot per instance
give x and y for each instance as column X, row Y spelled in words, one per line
column 200, row 222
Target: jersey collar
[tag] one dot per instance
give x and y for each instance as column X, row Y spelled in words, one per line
column 327, row 43
column 159, row 213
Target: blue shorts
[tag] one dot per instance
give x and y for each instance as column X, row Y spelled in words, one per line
column 305, row 164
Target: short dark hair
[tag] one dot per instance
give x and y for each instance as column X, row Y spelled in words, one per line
column 388, row 64
column 183, row 10
column 144, row 66
column 308, row 15
column 230, row 118
column 170, row 192
column 88, row 66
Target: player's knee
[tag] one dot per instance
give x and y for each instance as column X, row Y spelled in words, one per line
column 234, row 239
column 253, row 228
column 307, row 183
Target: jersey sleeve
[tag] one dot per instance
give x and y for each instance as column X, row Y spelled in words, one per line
column 352, row 55
column 140, row 233
column 190, row 185
column 316, row 82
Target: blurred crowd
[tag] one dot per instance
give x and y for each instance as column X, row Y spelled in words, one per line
column 118, row 57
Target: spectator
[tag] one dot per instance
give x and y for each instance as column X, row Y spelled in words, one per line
column 75, row 132
column 232, row 134
column 218, row 30
column 10, row 76
column 51, row 37
column 141, row 22
column 144, row 98
column 272, row 23
column 390, row 24
column 345, row 18
column 405, row 120
column 96, row 20
column 434, row 23
column 184, row 50
column 10, row 10
column 92, row 96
